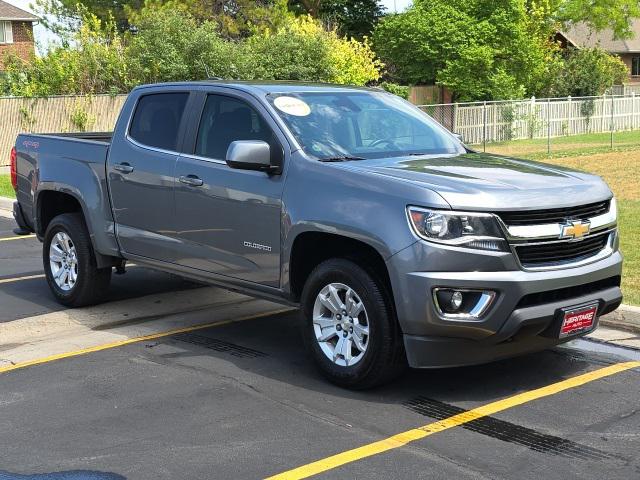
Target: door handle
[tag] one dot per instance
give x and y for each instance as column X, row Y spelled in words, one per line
column 192, row 180
column 123, row 167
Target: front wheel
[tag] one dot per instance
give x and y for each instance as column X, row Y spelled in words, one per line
column 70, row 264
column 349, row 326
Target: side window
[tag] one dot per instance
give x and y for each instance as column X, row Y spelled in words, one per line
column 227, row 119
column 157, row 119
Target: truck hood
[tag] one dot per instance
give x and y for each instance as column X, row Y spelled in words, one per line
column 477, row 181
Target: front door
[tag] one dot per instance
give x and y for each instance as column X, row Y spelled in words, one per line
column 141, row 175
column 228, row 221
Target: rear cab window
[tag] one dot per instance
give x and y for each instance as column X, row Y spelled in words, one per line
column 156, row 120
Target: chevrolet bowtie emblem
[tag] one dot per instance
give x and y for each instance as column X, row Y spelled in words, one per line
column 575, row 229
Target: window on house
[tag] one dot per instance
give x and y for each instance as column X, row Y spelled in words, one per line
column 635, row 66
column 6, row 32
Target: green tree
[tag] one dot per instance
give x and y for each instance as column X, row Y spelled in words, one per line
column 586, row 72
column 353, row 18
column 476, row 48
column 616, row 15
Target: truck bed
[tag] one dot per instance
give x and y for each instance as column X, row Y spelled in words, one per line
column 61, row 160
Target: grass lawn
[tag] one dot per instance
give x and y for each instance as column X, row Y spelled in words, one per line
column 6, row 190
column 577, row 145
column 620, row 168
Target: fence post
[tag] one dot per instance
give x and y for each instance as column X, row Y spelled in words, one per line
column 611, row 123
column 531, row 123
column 548, row 127
column 570, row 116
column 484, row 127
column 633, row 110
column 602, row 117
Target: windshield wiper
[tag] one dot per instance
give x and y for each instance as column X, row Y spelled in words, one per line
column 342, row 158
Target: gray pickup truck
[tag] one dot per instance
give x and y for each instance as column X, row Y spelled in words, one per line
column 399, row 244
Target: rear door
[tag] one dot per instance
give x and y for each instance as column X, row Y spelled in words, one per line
column 227, row 220
column 141, row 168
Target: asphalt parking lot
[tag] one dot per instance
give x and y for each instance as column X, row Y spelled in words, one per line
column 240, row 399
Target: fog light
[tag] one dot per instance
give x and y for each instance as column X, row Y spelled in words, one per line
column 460, row 304
column 456, row 300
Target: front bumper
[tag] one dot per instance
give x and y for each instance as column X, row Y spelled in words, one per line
column 518, row 321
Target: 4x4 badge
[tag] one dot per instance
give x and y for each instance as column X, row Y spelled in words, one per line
column 575, row 229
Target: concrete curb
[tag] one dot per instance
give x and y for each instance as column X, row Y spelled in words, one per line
column 6, row 203
column 627, row 317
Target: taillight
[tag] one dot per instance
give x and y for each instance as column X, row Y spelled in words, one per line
column 14, row 168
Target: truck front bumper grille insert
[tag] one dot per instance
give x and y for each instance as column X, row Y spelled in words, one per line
column 557, row 253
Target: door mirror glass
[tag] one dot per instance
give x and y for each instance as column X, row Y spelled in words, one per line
column 250, row 155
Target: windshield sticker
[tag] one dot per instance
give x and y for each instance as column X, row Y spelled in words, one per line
column 292, row 106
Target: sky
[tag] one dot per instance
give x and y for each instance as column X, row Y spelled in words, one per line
column 43, row 36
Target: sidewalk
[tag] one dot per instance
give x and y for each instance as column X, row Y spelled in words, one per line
column 6, row 204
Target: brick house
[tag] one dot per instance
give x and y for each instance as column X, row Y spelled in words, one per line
column 16, row 31
column 580, row 36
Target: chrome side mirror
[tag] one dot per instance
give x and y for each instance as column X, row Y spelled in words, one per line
column 250, row 155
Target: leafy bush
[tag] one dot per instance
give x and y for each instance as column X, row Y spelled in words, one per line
column 95, row 63
column 399, row 90
column 170, row 45
column 303, row 50
column 587, row 72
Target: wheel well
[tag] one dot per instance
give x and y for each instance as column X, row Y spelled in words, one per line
column 51, row 204
column 312, row 248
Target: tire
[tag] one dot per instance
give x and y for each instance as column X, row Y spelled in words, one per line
column 91, row 282
column 383, row 357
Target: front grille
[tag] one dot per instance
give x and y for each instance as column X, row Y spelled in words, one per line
column 551, row 253
column 555, row 215
column 559, row 294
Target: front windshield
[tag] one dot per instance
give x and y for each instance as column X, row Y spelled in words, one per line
column 363, row 125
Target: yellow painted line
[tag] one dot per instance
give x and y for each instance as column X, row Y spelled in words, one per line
column 402, row 439
column 19, row 279
column 153, row 336
column 17, row 237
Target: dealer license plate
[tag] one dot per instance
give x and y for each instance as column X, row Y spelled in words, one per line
column 577, row 320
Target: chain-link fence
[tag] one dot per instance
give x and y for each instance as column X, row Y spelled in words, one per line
column 544, row 126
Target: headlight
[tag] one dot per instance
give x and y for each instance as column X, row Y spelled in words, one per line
column 462, row 229
column 613, row 208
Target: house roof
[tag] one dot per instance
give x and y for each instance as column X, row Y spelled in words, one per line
column 9, row 12
column 581, row 36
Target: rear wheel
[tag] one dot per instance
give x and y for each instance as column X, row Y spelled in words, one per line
column 349, row 326
column 70, row 264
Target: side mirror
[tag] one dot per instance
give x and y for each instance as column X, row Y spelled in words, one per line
column 250, row 155
column 459, row 137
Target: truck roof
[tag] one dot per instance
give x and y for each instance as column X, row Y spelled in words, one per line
column 266, row 87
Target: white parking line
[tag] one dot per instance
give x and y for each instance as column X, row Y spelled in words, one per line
column 19, row 279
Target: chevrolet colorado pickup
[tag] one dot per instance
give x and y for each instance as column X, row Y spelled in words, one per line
column 399, row 244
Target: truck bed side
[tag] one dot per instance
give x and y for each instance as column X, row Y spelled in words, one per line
column 62, row 172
